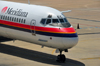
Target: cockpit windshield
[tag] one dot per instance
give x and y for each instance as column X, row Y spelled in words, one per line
column 55, row 21
column 48, row 21
column 59, row 22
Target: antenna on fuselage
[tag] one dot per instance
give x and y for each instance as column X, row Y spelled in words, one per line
column 29, row 2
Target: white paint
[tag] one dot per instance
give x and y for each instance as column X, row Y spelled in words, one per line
column 35, row 13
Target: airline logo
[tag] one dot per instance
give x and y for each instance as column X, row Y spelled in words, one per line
column 17, row 12
column 4, row 9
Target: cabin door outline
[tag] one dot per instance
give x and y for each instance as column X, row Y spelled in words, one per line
column 32, row 27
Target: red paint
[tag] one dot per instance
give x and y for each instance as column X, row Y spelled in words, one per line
column 37, row 28
column 4, row 9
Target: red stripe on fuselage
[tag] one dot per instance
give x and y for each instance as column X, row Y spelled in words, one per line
column 15, row 24
column 37, row 28
column 56, row 30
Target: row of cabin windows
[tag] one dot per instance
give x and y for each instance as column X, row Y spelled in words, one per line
column 14, row 19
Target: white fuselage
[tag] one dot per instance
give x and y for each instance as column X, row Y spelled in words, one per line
column 24, row 22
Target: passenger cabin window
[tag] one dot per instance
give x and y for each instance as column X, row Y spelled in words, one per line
column 14, row 19
column 1, row 16
column 17, row 20
column 24, row 20
column 8, row 18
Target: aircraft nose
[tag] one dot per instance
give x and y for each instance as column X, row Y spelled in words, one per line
column 69, row 42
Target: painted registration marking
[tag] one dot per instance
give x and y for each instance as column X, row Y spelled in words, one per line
column 43, row 40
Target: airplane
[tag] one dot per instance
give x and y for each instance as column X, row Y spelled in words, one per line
column 37, row 24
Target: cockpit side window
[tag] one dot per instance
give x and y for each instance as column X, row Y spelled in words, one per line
column 48, row 21
column 55, row 21
column 65, row 20
column 43, row 21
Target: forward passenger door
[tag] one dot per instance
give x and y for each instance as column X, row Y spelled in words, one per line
column 32, row 27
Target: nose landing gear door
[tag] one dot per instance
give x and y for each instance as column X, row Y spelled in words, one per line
column 32, row 27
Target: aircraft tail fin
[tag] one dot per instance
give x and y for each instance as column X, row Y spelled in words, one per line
column 65, row 11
